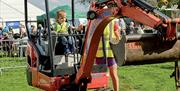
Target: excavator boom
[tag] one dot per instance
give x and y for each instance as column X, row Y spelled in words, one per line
column 102, row 12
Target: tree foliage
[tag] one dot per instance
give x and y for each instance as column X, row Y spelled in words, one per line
column 156, row 3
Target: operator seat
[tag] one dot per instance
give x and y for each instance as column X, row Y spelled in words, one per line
column 56, row 46
column 54, row 39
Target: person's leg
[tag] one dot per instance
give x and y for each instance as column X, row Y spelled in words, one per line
column 71, row 42
column 113, row 73
column 114, row 76
column 112, row 70
column 65, row 44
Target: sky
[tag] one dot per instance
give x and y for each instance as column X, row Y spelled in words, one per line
column 54, row 3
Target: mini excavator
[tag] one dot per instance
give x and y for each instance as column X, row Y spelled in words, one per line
column 151, row 48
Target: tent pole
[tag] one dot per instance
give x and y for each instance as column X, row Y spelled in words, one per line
column 49, row 36
column 72, row 6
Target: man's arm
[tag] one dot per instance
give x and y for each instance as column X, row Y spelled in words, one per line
column 116, row 31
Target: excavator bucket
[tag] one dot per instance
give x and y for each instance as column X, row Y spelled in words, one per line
column 119, row 51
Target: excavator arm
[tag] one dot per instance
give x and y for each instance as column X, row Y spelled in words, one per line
column 146, row 14
column 103, row 11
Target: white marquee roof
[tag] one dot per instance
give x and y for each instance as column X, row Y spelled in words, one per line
column 13, row 10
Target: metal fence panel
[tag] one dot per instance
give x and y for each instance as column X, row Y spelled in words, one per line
column 12, row 54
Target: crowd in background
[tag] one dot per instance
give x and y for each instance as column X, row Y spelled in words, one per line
column 127, row 27
column 9, row 39
column 8, row 32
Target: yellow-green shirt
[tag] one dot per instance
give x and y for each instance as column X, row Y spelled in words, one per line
column 106, row 34
column 62, row 28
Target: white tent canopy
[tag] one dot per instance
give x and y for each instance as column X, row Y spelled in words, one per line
column 13, row 10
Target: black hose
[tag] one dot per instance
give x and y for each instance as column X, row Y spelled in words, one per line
column 144, row 5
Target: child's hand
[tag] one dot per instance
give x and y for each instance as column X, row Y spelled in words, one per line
column 80, row 27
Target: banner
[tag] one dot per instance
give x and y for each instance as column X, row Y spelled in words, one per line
column 13, row 24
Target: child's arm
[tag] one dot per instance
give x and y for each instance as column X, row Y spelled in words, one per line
column 79, row 28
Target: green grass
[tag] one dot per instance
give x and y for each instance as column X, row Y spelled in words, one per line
column 154, row 77
column 15, row 80
column 132, row 78
column 12, row 62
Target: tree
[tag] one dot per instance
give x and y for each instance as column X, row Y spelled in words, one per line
column 156, row 3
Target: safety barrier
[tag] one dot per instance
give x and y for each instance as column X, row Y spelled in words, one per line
column 12, row 54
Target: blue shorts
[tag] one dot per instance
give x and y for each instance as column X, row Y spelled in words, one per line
column 110, row 61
